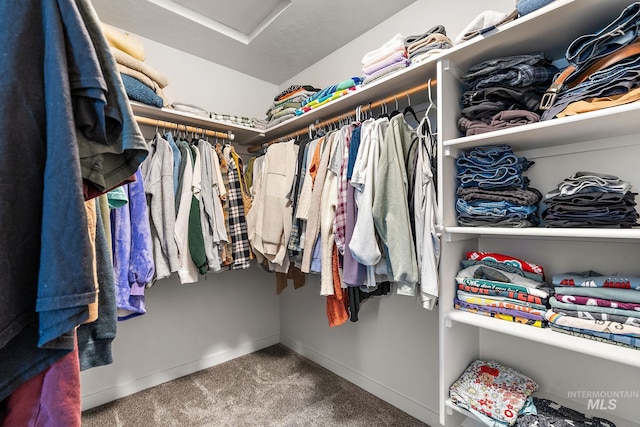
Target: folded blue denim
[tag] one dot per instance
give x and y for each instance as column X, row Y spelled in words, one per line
column 588, row 48
column 497, row 209
column 487, row 154
column 487, row 160
column 527, row 6
column 614, row 80
column 493, row 166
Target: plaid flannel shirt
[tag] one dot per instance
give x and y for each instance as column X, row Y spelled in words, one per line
column 340, row 221
column 237, row 221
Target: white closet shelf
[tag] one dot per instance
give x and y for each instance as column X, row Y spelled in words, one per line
column 614, row 353
column 604, row 234
column 528, row 34
column 242, row 133
column 394, row 83
column 621, row 120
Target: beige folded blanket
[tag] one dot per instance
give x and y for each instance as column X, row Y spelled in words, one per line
column 124, row 41
column 135, row 64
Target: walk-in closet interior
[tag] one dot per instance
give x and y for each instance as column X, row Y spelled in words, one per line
column 418, row 338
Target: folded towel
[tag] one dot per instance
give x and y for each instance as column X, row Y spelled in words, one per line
column 131, row 62
column 395, row 44
column 240, row 120
column 486, row 21
column 433, row 39
column 388, row 70
column 421, row 56
column 190, row 108
column 124, row 41
column 414, row 39
column 138, row 91
column 388, row 61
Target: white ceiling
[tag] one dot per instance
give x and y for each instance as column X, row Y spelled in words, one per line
column 272, row 40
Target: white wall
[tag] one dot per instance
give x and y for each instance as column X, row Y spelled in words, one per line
column 187, row 328
column 392, row 351
column 195, row 326
column 415, row 19
column 214, row 87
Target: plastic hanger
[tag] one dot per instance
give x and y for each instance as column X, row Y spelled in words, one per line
column 409, row 110
column 397, row 110
column 431, row 103
column 383, row 111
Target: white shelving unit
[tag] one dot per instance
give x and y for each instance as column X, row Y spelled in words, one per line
column 601, row 141
column 241, row 133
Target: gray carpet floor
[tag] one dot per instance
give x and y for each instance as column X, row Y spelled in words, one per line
column 273, row 387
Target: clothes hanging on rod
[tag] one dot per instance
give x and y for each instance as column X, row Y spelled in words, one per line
column 186, row 128
column 360, row 210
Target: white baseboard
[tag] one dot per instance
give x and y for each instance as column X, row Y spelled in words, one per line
column 139, row 384
column 391, row 396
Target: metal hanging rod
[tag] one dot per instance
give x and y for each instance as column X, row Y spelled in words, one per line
column 190, row 129
column 393, row 98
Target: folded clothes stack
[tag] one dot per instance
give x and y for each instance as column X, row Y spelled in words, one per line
column 598, row 307
column 591, row 199
column 603, row 70
column 230, row 118
column 424, row 46
column 190, row 108
column 287, row 102
column 493, row 191
column 503, row 287
column 487, row 21
column 142, row 82
column 388, row 58
column 504, row 92
column 328, row 94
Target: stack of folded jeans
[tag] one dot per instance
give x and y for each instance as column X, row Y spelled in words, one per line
column 590, row 199
column 504, row 92
column 593, row 81
column 493, row 192
column 424, row 46
column 388, row 58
